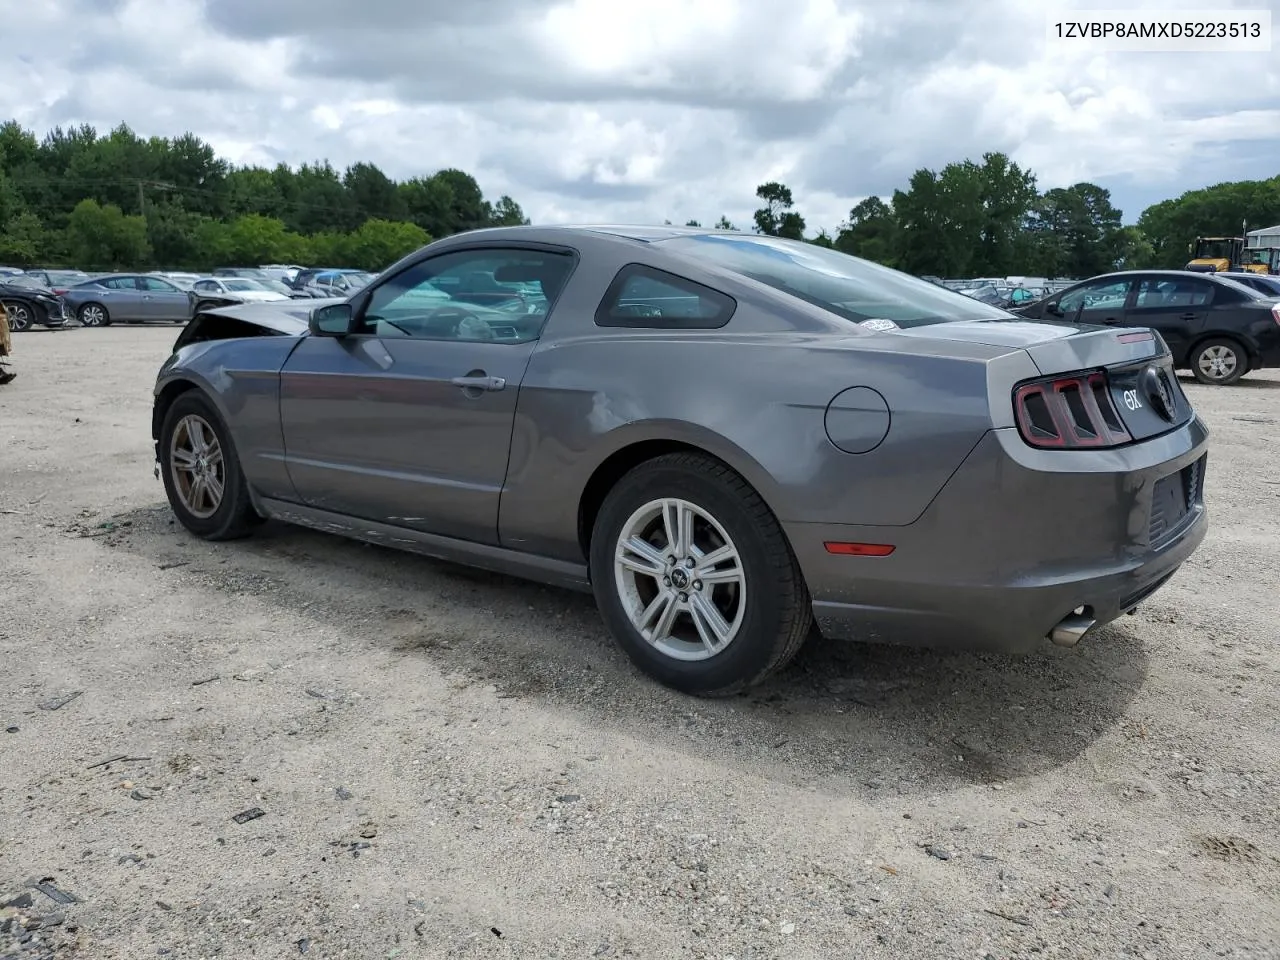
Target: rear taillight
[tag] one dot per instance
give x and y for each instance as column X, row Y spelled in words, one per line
column 1069, row 412
column 1275, row 313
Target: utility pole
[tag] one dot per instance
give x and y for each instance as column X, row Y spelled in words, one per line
column 142, row 201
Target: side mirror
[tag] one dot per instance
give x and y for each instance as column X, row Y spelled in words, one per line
column 1052, row 307
column 334, row 320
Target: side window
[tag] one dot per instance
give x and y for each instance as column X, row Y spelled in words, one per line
column 1158, row 292
column 205, row 286
column 476, row 294
column 1104, row 295
column 158, row 285
column 644, row 297
column 120, row 283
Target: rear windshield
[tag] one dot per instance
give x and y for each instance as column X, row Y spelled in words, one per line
column 855, row 289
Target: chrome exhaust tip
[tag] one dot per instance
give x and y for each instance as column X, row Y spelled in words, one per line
column 1070, row 629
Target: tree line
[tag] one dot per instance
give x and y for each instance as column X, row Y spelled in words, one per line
column 78, row 198
column 989, row 219
column 117, row 200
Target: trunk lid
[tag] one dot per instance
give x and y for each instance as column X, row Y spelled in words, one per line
column 1141, row 381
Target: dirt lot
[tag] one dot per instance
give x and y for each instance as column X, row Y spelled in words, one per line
column 457, row 764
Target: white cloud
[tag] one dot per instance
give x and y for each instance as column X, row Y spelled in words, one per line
column 644, row 110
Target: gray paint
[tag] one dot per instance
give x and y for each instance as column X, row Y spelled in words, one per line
column 369, row 438
column 858, row 420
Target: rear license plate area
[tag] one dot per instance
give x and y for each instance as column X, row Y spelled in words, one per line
column 1174, row 499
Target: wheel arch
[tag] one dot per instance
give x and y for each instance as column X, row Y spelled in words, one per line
column 179, row 384
column 637, row 450
column 1251, row 354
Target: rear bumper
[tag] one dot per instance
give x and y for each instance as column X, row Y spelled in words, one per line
column 1012, row 545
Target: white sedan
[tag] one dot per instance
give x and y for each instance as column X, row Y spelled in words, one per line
column 241, row 288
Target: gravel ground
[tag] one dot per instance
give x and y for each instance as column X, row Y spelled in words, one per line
column 454, row 764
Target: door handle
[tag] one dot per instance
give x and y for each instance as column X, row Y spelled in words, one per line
column 1189, row 316
column 479, row 382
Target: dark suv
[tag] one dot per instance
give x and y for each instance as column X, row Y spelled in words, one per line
column 1215, row 327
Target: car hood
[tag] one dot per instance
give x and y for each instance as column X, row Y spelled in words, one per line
column 288, row 317
column 10, row 290
column 256, row 296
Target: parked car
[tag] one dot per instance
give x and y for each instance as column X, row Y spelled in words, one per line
column 178, row 278
column 1216, row 328
column 325, row 282
column 253, row 273
column 128, row 298
column 28, row 303
column 1266, row 285
column 233, row 290
column 334, row 283
column 59, row 281
column 725, row 436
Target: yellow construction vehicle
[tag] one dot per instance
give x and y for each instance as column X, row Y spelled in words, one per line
column 1222, row 255
column 1262, row 260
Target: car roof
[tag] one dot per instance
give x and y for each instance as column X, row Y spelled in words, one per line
column 1172, row 274
column 638, row 232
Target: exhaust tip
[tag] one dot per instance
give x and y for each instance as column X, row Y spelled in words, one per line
column 1072, row 627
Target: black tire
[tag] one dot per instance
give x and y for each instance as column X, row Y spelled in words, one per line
column 1236, row 350
column 86, row 308
column 778, row 613
column 18, row 316
column 235, row 516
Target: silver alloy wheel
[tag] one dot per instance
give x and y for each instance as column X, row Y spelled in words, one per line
column 92, row 315
column 1218, row 362
column 197, row 466
column 18, row 316
column 680, row 579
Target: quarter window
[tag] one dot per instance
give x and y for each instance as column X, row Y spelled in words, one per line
column 645, row 297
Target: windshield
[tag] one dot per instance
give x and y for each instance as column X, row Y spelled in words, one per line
column 32, row 283
column 1214, row 250
column 849, row 287
column 66, row 276
column 242, row 283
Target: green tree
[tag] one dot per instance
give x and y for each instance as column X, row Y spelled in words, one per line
column 507, row 213
column 776, row 218
column 1083, row 230
column 965, row 221
column 22, row 241
column 373, row 192
column 103, row 236
column 377, row 244
column 870, row 232
column 1216, row 211
column 724, row 224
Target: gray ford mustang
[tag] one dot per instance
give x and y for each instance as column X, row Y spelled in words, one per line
column 726, row 437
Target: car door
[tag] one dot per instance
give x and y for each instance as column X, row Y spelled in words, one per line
column 1175, row 307
column 164, row 300
column 407, row 419
column 1099, row 301
column 123, row 298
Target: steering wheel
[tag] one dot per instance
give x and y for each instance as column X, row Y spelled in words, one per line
column 472, row 324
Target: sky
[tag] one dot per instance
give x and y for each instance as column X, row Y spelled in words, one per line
column 639, row 111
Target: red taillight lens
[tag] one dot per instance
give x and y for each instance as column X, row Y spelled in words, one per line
column 1275, row 313
column 1069, row 412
